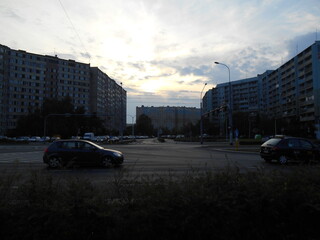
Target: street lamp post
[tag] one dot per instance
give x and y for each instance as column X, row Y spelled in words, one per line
column 132, row 117
column 121, row 115
column 201, row 121
column 230, row 105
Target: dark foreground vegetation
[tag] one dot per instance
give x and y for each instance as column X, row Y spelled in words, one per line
column 225, row 205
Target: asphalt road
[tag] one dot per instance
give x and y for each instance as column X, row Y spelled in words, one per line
column 143, row 158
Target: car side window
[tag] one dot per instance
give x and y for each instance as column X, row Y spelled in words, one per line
column 68, row 145
column 85, row 146
column 64, row 145
column 293, row 143
column 306, row 144
column 283, row 143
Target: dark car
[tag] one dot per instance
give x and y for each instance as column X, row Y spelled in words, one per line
column 80, row 152
column 289, row 149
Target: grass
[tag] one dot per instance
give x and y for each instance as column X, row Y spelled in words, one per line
column 223, row 205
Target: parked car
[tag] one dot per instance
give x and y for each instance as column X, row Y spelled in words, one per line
column 45, row 139
column 35, row 139
column 54, row 138
column 284, row 149
column 80, row 152
column 22, row 139
column 102, row 139
column 89, row 136
column 113, row 139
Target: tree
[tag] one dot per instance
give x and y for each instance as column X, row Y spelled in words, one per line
column 190, row 130
column 144, row 125
column 53, row 105
column 29, row 125
column 61, row 118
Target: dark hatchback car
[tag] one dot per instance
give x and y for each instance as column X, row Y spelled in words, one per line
column 289, row 149
column 64, row 153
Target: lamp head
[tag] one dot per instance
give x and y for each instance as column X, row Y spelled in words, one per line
column 216, row 62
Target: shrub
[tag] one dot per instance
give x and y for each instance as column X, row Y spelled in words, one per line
column 224, row 205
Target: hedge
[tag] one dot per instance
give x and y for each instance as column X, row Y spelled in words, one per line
column 223, row 205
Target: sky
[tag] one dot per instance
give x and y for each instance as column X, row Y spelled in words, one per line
column 163, row 51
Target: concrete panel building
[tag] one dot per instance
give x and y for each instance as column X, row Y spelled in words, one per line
column 170, row 117
column 108, row 100
column 290, row 92
column 26, row 79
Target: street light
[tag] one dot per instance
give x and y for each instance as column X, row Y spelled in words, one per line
column 230, row 105
column 201, row 123
column 132, row 125
column 121, row 115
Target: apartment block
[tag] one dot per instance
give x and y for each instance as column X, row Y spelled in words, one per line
column 26, row 79
column 108, row 100
column 170, row 117
column 290, row 92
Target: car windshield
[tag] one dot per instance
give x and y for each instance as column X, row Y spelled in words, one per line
column 273, row 141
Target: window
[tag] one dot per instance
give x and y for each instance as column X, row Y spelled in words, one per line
column 305, row 144
column 85, row 146
column 68, row 145
column 293, row 143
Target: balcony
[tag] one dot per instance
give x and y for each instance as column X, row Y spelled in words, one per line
column 308, row 61
column 306, row 118
column 307, row 110
column 306, row 86
column 306, row 103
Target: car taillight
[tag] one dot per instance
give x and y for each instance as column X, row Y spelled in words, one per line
column 46, row 150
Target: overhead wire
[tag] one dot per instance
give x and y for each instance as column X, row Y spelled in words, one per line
column 74, row 29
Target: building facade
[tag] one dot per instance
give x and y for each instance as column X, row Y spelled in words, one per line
column 170, row 117
column 108, row 100
column 290, row 93
column 27, row 79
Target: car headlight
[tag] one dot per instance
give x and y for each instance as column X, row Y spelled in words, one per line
column 116, row 154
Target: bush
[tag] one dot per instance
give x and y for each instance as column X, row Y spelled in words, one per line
column 224, row 205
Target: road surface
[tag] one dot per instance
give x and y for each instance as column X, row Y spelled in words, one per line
column 147, row 157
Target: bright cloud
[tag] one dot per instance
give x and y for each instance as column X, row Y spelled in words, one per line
column 163, row 50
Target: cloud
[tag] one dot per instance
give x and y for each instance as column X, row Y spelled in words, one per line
column 170, row 42
column 85, row 55
column 197, row 82
column 12, row 14
column 196, row 71
column 66, row 56
column 254, row 60
column 300, row 43
column 139, row 65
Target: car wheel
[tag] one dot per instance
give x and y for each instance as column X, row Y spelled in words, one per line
column 106, row 161
column 54, row 162
column 283, row 159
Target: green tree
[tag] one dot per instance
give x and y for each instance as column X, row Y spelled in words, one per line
column 61, row 118
column 144, row 125
column 29, row 125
